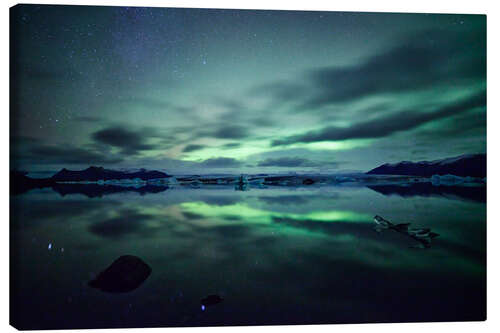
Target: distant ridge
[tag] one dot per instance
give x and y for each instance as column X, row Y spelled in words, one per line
column 473, row 165
column 99, row 173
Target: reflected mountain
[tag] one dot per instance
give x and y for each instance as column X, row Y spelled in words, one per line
column 97, row 191
column 470, row 193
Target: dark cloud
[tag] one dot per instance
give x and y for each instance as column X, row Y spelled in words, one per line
column 30, row 151
column 129, row 141
column 230, row 104
column 231, row 231
column 469, row 124
column 231, row 145
column 231, row 132
column 281, row 91
column 70, row 155
column 240, row 113
column 151, row 103
column 190, row 148
column 263, row 121
column 221, row 162
column 192, row 216
column 288, row 162
column 129, row 221
column 421, row 63
column 88, row 119
column 429, row 59
column 384, row 126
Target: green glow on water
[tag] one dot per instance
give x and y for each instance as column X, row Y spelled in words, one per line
column 255, row 215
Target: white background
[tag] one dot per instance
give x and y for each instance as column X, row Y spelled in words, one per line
column 491, row 8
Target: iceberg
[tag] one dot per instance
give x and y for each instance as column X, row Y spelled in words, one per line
column 452, row 180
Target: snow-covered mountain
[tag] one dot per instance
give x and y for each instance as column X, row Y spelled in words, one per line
column 473, row 165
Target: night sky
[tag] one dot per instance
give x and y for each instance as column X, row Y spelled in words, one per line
column 230, row 91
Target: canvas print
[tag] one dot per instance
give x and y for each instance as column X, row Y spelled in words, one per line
column 207, row 167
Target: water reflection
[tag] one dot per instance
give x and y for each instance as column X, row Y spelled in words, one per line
column 276, row 255
column 472, row 193
column 97, row 191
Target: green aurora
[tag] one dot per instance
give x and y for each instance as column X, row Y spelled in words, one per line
column 229, row 91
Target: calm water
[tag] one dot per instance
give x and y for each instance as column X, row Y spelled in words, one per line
column 277, row 255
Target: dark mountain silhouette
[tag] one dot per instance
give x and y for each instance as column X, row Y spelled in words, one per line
column 465, row 165
column 20, row 183
column 99, row 173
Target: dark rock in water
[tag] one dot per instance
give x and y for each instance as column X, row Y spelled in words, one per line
column 125, row 274
column 211, row 300
column 308, row 181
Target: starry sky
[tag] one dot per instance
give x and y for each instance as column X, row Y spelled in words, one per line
column 230, row 91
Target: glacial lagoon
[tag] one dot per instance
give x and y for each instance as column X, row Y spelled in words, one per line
column 274, row 255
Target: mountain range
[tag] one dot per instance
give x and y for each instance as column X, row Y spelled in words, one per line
column 99, row 173
column 473, row 165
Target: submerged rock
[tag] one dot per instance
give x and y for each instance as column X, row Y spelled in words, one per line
column 123, row 275
column 211, row 300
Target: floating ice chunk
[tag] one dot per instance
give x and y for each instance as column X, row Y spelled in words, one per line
column 446, row 180
column 344, row 179
column 243, row 179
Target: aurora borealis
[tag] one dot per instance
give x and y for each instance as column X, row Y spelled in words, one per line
column 197, row 90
